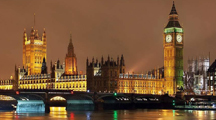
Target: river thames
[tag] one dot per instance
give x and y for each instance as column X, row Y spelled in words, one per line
column 59, row 113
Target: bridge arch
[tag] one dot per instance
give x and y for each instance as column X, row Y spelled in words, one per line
column 6, row 98
column 57, row 98
column 76, row 98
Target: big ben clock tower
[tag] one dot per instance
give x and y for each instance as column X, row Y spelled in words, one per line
column 173, row 53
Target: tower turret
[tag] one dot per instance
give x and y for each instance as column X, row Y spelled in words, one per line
column 102, row 61
column 36, row 36
column 51, row 66
column 118, row 61
column 24, row 36
column 70, row 60
column 32, row 36
column 87, row 62
column 44, row 67
column 108, row 58
column 34, row 50
column 122, row 64
column 122, row 60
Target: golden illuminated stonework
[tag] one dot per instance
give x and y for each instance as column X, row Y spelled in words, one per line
column 109, row 76
column 173, row 54
column 61, row 77
column 71, row 60
column 34, row 51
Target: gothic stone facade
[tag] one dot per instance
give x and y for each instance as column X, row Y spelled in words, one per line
column 110, row 76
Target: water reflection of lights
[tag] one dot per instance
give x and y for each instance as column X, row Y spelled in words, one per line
column 190, row 111
column 173, row 112
column 125, row 112
column 88, row 115
column 7, row 115
column 200, row 113
column 165, row 110
column 57, row 109
column 115, row 115
column 58, row 112
column 212, row 115
column 71, row 116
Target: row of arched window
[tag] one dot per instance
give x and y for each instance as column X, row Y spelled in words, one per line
column 32, row 81
column 140, row 84
column 140, row 91
column 70, row 85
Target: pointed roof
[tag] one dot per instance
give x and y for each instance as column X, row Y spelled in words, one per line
column 173, row 18
column 212, row 68
column 70, row 45
column 34, row 20
column 44, row 60
column 70, row 48
column 173, row 10
column 70, row 37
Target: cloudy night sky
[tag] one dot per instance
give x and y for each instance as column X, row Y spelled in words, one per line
column 133, row 28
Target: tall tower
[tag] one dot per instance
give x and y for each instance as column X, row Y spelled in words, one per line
column 34, row 50
column 173, row 53
column 71, row 60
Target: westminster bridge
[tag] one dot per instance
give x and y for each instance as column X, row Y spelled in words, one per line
column 42, row 100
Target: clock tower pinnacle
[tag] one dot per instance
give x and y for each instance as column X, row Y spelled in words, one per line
column 173, row 53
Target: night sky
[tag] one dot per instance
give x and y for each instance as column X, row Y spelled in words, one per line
column 133, row 28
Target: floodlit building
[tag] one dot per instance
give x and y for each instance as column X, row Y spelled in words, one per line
column 34, row 74
column 104, row 76
column 34, row 51
column 195, row 78
column 66, row 75
column 110, row 76
column 7, row 84
column 211, row 73
column 173, row 42
column 62, row 77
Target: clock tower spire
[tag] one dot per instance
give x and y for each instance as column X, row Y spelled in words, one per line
column 173, row 53
column 173, row 10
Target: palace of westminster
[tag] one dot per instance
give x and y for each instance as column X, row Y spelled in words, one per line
column 108, row 75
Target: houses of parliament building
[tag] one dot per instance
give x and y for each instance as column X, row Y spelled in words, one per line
column 101, row 76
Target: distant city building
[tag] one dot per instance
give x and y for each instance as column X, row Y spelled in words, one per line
column 212, row 78
column 195, row 78
column 173, row 53
column 110, row 76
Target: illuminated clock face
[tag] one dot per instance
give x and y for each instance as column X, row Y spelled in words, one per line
column 168, row 38
column 179, row 38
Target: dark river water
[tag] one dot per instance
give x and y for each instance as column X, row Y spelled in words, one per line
column 59, row 113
